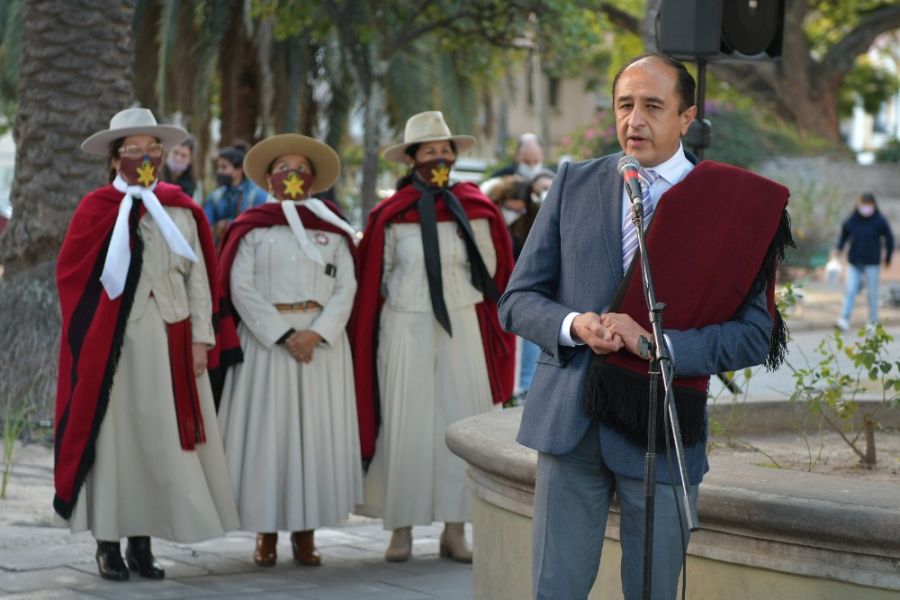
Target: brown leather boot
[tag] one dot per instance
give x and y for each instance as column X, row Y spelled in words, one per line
column 304, row 546
column 266, row 549
column 453, row 543
column 401, row 545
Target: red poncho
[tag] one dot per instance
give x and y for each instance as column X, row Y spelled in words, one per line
column 714, row 241
column 499, row 346
column 93, row 327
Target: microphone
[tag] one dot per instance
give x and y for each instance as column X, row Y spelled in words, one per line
column 628, row 168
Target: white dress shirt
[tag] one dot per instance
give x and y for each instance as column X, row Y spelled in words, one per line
column 670, row 172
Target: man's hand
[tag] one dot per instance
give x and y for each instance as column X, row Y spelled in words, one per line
column 626, row 329
column 589, row 328
column 302, row 344
column 199, row 353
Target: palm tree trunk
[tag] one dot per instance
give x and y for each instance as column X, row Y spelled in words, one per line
column 76, row 72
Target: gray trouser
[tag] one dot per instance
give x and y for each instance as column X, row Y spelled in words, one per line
column 571, row 502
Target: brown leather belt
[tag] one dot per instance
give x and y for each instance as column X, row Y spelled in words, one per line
column 304, row 306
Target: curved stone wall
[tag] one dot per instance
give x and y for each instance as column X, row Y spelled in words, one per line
column 764, row 533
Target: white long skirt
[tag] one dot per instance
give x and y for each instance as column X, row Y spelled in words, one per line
column 291, row 434
column 428, row 380
column 142, row 481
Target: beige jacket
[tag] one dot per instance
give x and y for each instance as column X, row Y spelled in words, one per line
column 270, row 268
column 404, row 281
column 179, row 286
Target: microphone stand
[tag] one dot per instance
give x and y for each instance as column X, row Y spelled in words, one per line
column 660, row 364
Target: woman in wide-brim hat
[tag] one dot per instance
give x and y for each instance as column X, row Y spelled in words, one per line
column 288, row 412
column 138, row 452
column 427, row 343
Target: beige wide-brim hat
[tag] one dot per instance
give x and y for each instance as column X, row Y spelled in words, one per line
column 324, row 159
column 133, row 121
column 427, row 127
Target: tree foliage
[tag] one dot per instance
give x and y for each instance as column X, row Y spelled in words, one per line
column 869, row 85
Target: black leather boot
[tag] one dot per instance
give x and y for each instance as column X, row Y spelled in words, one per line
column 140, row 558
column 109, row 561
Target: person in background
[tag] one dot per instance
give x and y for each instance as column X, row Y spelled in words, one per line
column 138, row 451
column 871, row 244
column 179, row 167
column 235, row 192
column 529, row 158
column 426, row 341
column 540, row 184
column 519, row 200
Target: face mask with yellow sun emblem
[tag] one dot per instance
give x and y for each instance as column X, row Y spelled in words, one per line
column 435, row 173
column 291, row 185
column 140, row 171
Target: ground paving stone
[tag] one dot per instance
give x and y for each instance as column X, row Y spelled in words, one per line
column 60, row 577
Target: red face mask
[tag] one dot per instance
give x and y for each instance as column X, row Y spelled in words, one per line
column 140, row 171
column 291, row 185
column 435, row 172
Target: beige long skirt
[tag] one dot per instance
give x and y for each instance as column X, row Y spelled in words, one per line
column 428, row 380
column 142, row 481
column 291, row 434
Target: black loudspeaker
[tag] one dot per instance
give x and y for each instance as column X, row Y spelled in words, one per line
column 720, row 29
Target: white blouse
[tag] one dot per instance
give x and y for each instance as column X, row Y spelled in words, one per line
column 404, row 281
column 270, row 268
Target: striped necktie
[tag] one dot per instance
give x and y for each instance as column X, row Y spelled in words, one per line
column 629, row 231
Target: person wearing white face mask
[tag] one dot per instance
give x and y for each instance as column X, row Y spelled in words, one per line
column 179, row 167
column 288, row 413
column 529, row 159
column 540, row 184
column 871, row 242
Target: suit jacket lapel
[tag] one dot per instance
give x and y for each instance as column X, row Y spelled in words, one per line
column 610, row 213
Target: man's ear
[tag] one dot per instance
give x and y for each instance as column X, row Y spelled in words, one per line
column 688, row 115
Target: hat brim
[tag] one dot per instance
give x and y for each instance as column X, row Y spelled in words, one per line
column 168, row 135
column 397, row 152
column 324, row 159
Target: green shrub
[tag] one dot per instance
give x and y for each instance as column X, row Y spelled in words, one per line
column 890, row 153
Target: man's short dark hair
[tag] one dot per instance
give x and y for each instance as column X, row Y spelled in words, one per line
column 685, row 84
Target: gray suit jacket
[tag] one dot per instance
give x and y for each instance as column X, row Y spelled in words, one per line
column 572, row 261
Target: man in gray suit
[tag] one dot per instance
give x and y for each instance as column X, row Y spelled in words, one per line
column 570, row 270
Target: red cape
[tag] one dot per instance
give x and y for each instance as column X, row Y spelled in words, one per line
column 720, row 220
column 499, row 346
column 93, row 327
column 714, row 241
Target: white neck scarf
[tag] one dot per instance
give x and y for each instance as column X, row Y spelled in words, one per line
column 318, row 208
column 118, row 256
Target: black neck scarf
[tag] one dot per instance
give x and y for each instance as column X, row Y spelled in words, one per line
column 481, row 278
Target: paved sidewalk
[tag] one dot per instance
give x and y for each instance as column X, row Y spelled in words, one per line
column 39, row 561
column 49, row 563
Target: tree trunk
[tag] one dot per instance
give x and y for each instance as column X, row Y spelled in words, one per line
column 182, row 70
column 371, row 142
column 76, row 73
column 869, row 427
column 146, row 55
column 240, row 90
